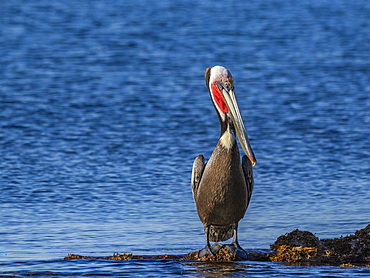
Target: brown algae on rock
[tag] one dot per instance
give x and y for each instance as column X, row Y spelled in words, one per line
column 223, row 255
column 304, row 247
column 296, row 247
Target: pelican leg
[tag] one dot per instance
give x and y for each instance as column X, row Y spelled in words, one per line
column 234, row 247
column 207, row 250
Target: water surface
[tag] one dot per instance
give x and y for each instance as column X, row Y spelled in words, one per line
column 103, row 108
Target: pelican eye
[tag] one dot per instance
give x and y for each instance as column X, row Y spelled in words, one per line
column 231, row 80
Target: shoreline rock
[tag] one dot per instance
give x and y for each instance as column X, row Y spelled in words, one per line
column 304, row 247
column 296, row 248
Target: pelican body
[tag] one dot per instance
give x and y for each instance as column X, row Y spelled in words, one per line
column 223, row 186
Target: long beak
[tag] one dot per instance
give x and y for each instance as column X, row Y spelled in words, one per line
column 231, row 103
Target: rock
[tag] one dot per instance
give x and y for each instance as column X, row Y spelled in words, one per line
column 296, row 238
column 303, row 247
column 297, row 247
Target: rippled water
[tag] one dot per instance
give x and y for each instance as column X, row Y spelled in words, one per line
column 103, row 108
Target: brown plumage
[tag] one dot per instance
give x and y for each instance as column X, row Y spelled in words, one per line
column 222, row 187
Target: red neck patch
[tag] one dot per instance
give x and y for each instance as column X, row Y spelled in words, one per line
column 218, row 98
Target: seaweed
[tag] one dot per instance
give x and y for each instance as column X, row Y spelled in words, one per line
column 303, row 247
column 297, row 247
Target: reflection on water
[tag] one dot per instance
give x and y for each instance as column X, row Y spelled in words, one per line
column 219, row 269
column 103, row 109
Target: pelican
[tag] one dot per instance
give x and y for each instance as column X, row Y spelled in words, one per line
column 223, row 186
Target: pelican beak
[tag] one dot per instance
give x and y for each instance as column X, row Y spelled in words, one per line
column 229, row 98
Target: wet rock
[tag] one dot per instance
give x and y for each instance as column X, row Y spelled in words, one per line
column 354, row 248
column 304, row 247
column 296, row 247
column 223, row 255
column 116, row 256
column 296, row 238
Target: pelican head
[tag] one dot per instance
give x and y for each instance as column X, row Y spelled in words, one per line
column 220, row 84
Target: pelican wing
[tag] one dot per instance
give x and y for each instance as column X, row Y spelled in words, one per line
column 196, row 175
column 248, row 174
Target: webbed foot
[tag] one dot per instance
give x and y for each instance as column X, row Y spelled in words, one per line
column 206, row 251
column 216, row 247
column 210, row 250
column 236, row 250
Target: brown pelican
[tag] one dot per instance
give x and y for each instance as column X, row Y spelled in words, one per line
column 223, row 186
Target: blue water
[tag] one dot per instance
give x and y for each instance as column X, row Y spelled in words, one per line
column 103, row 108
